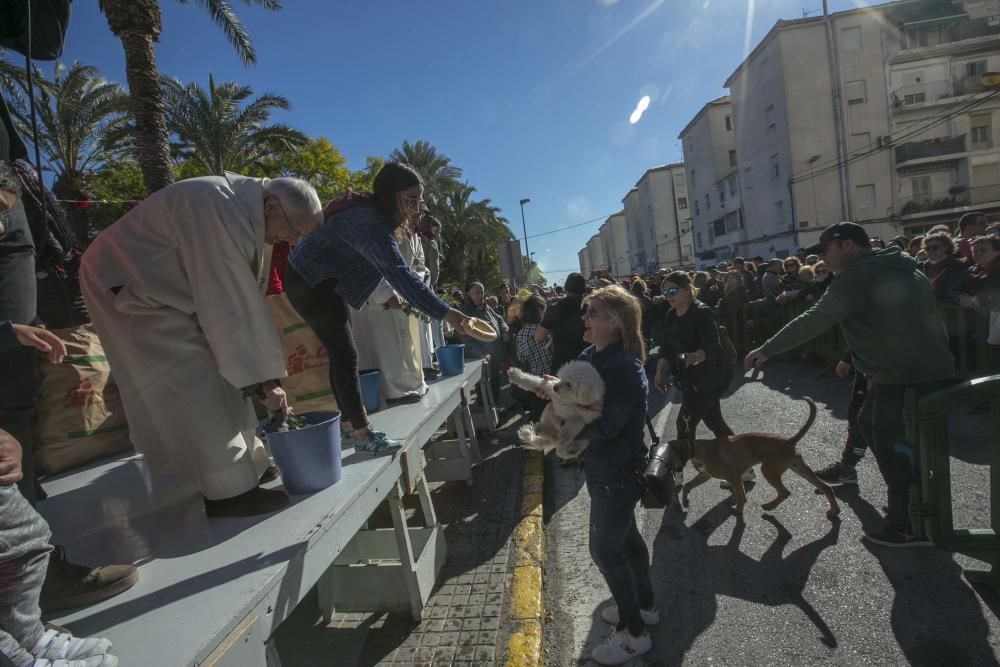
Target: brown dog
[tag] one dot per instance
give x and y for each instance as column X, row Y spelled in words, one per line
column 728, row 458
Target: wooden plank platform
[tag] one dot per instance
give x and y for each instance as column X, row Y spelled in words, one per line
column 213, row 591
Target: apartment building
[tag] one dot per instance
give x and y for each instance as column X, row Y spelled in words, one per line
column 595, row 250
column 811, row 116
column 585, row 264
column 614, row 235
column 945, row 119
column 713, row 184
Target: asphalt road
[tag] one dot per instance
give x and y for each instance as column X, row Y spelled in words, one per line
column 788, row 588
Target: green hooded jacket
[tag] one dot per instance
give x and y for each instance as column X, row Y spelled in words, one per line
column 889, row 316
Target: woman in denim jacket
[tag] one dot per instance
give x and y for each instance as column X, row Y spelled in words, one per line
column 341, row 263
column 613, row 463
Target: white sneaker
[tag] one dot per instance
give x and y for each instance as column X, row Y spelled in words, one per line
column 56, row 646
column 610, row 615
column 93, row 661
column 621, row 647
column 748, row 476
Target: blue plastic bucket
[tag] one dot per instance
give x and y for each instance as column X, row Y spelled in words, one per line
column 451, row 359
column 369, row 389
column 309, row 458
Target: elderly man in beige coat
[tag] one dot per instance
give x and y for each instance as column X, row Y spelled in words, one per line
column 176, row 292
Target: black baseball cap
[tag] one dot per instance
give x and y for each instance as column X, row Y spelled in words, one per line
column 841, row 231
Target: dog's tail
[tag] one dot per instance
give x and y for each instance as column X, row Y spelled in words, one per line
column 805, row 427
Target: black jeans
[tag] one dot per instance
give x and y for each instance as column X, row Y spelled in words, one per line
column 329, row 316
column 617, row 547
column 854, row 448
column 699, row 406
column 881, row 420
column 18, row 372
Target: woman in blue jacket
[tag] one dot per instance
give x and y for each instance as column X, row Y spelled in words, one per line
column 341, row 263
column 613, row 463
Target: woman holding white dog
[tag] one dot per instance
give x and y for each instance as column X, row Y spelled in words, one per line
column 612, row 464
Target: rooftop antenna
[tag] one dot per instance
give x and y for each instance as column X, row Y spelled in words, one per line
column 806, row 13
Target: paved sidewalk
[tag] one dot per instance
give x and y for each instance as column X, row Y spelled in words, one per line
column 464, row 618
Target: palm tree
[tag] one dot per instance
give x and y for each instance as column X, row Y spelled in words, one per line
column 435, row 169
column 222, row 129
column 79, row 114
column 137, row 24
column 471, row 231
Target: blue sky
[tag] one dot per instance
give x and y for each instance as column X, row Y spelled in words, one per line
column 530, row 98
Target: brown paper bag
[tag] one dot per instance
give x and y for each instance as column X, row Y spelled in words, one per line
column 80, row 413
column 306, row 360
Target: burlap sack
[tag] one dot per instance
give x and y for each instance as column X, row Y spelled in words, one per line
column 306, row 360
column 80, row 413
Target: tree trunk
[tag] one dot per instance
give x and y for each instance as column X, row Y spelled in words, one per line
column 147, row 107
column 137, row 24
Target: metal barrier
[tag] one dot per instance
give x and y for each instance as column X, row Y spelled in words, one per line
column 931, row 499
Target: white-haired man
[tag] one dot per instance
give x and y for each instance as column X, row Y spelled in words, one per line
column 176, row 292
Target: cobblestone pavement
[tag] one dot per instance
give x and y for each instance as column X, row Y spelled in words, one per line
column 463, row 619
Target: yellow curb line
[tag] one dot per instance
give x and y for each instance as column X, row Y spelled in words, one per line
column 524, row 646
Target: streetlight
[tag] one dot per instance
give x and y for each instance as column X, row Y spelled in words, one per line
column 524, row 227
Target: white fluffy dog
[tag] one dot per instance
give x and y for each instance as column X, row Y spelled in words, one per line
column 576, row 398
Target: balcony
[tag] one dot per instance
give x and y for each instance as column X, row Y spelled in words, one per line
column 955, row 198
column 931, row 36
column 919, row 94
column 916, row 150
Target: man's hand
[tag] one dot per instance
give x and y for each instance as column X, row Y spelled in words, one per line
column 394, row 303
column 10, row 459
column 41, row 339
column 275, row 399
column 756, row 358
column 456, row 319
column 842, row 369
column 695, row 358
column 662, row 373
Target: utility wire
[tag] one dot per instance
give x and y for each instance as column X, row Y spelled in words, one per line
column 809, row 174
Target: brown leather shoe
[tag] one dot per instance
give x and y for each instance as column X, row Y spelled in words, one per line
column 253, row 502
column 68, row 585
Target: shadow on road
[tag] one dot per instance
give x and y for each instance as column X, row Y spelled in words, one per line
column 935, row 616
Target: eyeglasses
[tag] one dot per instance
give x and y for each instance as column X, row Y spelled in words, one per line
column 415, row 203
column 670, row 291
column 933, row 247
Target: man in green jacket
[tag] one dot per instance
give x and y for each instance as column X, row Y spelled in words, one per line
column 887, row 311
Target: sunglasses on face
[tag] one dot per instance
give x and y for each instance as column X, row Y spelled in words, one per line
column 413, row 202
column 670, row 291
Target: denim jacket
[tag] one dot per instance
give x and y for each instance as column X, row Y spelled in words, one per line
column 617, row 442
column 357, row 248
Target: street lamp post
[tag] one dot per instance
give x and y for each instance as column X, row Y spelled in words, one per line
column 524, row 227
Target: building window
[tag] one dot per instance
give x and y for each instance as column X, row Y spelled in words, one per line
column 720, row 226
column 775, row 170
column 981, row 131
column 769, row 117
column 682, row 202
column 865, row 196
column 697, row 238
column 732, row 158
column 708, row 202
column 975, row 69
column 732, row 185
column 729, row 123
column 722, row 194
column 696, row 210
column 692, row 178
column 861, row 142
column 856, row 93
column 850, row 38
column 920, row 188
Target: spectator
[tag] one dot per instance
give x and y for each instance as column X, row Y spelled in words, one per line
column 980, row 289
column 970, row 226
column 612, row 467
column 734, row 297
column 902, row 242
column 801, row 254
column 641, row 292
column 563, row 323
column 874, row 322
column 811, row 259
column 791, row 280
column 943, row 268
column 915, row 245
column 708, row 290
column 740, row 266
column 475, row 306
column 532, row 356
column 430, row 238
column 877, row 243
column 820, row 282
column 339, row 266
column 691, row 351
column 770, row 281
